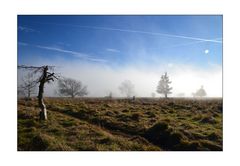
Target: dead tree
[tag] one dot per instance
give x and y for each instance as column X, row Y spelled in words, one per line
column 45, row 77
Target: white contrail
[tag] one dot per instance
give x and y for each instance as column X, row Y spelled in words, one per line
column 190, row 43
column 76, row 54
column 153, row 33
column 136, row 31
column 73, row 53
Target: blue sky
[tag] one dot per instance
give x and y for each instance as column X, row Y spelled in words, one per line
column 120, row 42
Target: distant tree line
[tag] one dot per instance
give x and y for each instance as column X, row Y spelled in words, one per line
column 72, row 88
column 69, row 87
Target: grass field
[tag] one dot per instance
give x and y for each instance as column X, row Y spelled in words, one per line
column 121, row 125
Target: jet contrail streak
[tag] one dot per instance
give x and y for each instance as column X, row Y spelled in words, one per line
column 74, row 53
column 152, row 33
column 136, row 31
column 190, row 43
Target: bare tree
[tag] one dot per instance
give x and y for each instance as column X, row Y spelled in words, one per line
column 163, row 85
column 153, row 95
column 71, row 87
column 127, row 88
column 28, row 86
column 45, row 77
column 200, row 93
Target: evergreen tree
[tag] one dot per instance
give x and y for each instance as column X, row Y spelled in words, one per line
column 163, row 85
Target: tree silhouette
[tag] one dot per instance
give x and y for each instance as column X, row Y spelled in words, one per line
column 163, row 85
column 45, row 77
column 71, row 87
column 28, row 86
column 127, row 88
column 200, row 93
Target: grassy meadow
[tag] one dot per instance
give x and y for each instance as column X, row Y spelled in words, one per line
column 100, row 124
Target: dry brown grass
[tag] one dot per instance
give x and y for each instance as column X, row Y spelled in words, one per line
column 120, row 124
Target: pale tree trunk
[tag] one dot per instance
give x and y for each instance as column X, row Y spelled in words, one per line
column 43, row 110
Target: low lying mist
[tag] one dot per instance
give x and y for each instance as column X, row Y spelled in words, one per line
column 101, row 79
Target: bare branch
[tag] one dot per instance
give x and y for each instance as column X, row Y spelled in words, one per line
column 35, row 67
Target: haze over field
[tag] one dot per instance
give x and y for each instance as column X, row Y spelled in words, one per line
column 103, row 51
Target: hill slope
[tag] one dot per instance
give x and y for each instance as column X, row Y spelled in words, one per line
column 100, row 124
